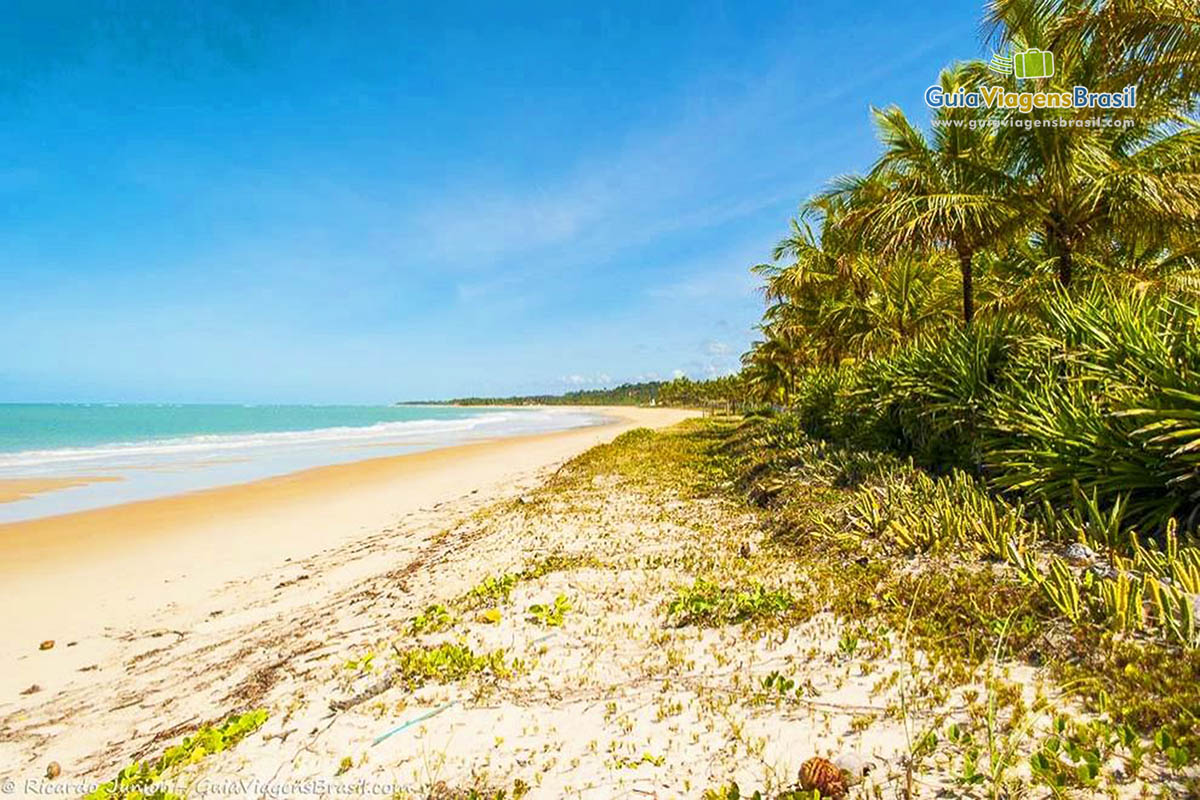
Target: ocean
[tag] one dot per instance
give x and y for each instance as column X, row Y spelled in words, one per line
column 158, row 450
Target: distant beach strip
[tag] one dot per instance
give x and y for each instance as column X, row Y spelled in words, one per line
column 60, row 458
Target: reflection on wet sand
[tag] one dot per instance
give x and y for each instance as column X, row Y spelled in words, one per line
column 12, row 489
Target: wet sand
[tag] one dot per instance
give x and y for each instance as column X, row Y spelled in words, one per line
column 20, row 488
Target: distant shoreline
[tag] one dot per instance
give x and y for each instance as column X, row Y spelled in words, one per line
column 145, row 452
column 627, row 394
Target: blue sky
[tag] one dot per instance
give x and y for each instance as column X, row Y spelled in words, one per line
column 367, row 201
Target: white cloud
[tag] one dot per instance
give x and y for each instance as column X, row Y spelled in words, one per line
column 693, row 173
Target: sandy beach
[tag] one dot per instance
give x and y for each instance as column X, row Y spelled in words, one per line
column 160, row 626
column 83, row 574
column 535, row 617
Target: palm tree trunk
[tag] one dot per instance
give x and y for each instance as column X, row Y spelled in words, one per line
column 1065, row 266
column 968, row 288
column 1062, row 250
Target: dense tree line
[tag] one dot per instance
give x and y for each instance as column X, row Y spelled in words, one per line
column 1010, row 293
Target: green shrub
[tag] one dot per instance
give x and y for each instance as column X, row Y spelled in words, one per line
column 550, row 615
column 1099, row 395
column 492, row 589
column 914, row 512
column 933, row 399
column 434, row 619
column 1149, row 687
column 1104, row 402
column 823, row 405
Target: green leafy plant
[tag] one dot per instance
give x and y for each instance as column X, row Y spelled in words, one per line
column 778, row 684
column 731, row 791
column 434, row 619
column 365, row 663
column 492, row 589
column 622, row 762
column 449, row 662
column 707, row 603
column 142, row 780
column 848, row 644
column 551, row 614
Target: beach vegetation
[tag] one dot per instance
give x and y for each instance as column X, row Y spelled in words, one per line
column 626, row 762
column 550, row 615
column 434, row 619
column 937, row 581
column 731, row 791
column 153, row 779
column 363, row 663
column 492, row 589
column 706, row 603
column 497, row 589
column 931, row 620
column 450, row 662
column 992, row 574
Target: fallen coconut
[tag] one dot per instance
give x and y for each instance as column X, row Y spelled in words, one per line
column 821, row 775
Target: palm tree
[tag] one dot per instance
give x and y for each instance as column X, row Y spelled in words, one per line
column 1080, row 185
column 909, row 295
column 1030, row 198
column 837, row 300
column 1154, row 44
column 813, row 273
column 1150, row 263
column 944, row 192
column 771, row 367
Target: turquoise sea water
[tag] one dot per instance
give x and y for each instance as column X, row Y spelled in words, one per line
column 157, row 450
column 59, row 425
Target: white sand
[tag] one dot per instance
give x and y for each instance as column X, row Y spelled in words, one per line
column 331, row 565
column 96, row 580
